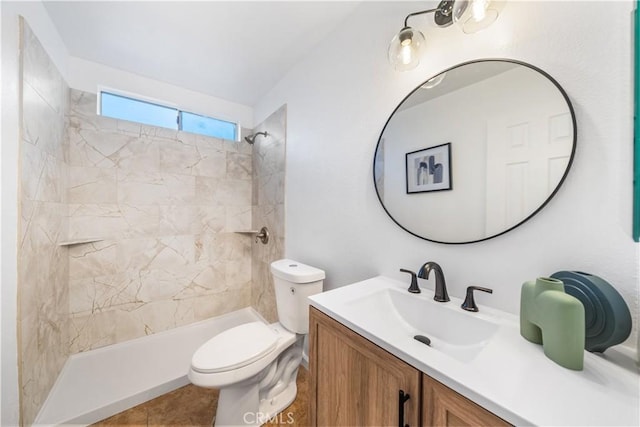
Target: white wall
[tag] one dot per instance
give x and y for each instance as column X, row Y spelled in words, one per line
column 35, row 13
column 340, row 97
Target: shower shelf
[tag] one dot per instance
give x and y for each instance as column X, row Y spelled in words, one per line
column 79, row 241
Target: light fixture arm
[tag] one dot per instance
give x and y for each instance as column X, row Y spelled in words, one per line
column 422, row 12
column 443, row 14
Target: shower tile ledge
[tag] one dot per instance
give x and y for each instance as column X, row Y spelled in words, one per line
column 97, row 384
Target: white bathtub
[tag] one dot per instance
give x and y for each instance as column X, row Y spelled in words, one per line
column 96, row 384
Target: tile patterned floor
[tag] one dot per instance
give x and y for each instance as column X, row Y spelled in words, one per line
column 195, row 406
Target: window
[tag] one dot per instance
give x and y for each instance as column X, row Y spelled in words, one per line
column 204, row 125
column 134, row 110
column 149, row 113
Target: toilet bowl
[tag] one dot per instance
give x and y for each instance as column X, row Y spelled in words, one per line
column 255, row 364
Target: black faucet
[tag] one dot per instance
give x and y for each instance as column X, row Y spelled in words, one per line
column 441, row 294
column 414, row 289
column 469, row 303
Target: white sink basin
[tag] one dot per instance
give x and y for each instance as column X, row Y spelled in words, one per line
column 482, row 356
column 453, row 331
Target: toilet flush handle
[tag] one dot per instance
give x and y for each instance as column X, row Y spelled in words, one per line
column 263, row 235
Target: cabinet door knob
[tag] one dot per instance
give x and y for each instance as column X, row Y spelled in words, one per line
column 402, row 398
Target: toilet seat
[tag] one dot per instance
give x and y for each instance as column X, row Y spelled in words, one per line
column 235, row 348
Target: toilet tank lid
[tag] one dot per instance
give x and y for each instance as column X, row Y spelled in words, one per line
column 296, row 272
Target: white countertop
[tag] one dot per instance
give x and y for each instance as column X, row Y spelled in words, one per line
column 510, row 376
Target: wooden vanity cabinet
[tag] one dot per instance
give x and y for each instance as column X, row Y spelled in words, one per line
column 442, row 406
column 356, row 383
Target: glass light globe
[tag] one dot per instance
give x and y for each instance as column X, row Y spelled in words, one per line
column 475, row 15
column 405, row 49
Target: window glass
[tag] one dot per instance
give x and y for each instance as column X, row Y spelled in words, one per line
column 135, row 110
column 121, row 107
column 203, row 125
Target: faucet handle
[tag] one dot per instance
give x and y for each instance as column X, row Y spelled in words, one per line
column 414, row 289
column 469, row 303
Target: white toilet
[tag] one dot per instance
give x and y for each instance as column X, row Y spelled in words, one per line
column 255, row 365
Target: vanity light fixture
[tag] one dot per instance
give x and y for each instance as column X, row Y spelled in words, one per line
column 470, row 15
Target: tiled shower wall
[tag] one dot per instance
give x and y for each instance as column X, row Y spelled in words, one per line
column 268, row 208
column 162, row 206
column 166, row 204
column 43, row 266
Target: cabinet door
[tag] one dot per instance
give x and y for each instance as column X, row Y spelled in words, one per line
column 442, row 406
column 354, row 382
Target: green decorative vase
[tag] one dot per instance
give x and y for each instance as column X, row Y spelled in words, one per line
column 550, row 317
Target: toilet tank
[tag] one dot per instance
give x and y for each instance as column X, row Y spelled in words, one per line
column 294, row 282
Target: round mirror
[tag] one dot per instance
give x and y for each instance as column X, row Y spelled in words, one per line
column 475, row 151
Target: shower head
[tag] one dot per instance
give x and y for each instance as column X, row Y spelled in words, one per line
column 252, row 138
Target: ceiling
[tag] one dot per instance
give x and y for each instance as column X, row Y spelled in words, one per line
column 234, row 50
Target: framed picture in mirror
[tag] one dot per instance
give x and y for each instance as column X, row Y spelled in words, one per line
column 429, row 169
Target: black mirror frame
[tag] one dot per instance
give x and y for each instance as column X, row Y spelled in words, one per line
column 553, row 193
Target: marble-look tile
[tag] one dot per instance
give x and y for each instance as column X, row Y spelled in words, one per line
column 179, row 198
column 102, row 293
column 268, row 210
column 43, row 266
column 225, row 247
column 185, row 158
column 96, row 148
column 53, row 181
column 126, row 126
column 112, row 221
column 276, row 124
column 160, row 132
column 136, row 153
column 32, row 165
column 211, row 219
column 46, row 227
column 271, row 189
column 43, row 126
column 227, row 192
column 238, row 273
column 93, row 259
column 167, row 253
column 212, row 162
column 237, row 218
column 212, row 305
column 94, row 330
column 43, row 177
column 176, row 157
column 83, row 113
column 236, row 146
column 239, row 166
column 171, row 284
column 40, row 72
column 179, row 219
column 269, row 158
column 91, row 185
column 152, row 188
column 206, row 278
